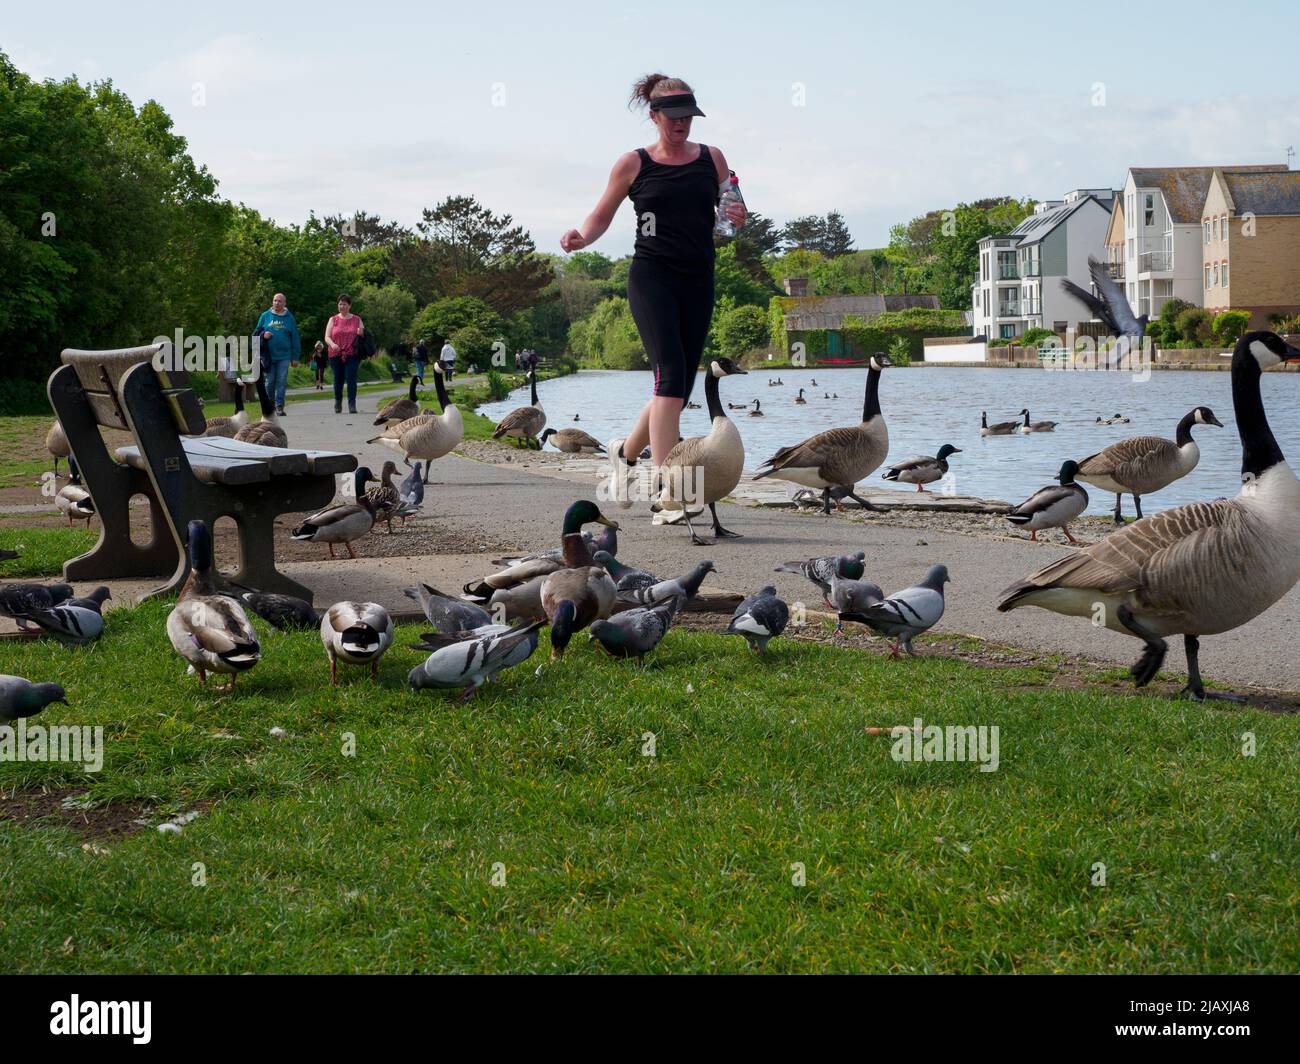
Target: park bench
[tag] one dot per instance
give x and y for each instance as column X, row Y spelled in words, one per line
column 182, row 478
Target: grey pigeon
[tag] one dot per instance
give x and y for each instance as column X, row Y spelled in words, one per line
column 850, row 597
column 75, row 620
column 284, row 612
column 634, row 633
column 759, row 618
column 820, row 570
column 906, row 614
column 606, row 539
column 22, row 698
column 1109, row 306
column 18, row 600
column 412, row 488
column 8, row 555
column 470, row 663
column 686, row 586
column 625, row 577
column 448, row 615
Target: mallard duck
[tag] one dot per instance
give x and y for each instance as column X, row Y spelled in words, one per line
column 342, row 522
column 573, row 441
column 1001, row 428
column 1035, row 426
column 633, row 633
column 358, row 633
column 56, row 442
column 20, row 697
column 692, row 406
column 400, row 408
column 921, row 469
column 1140, row 465
column 525, row 422
column 605, row 539
column 1054, row 506
column 578, row 514
column 384, row 498
column 703, row 469
column 1199, row 569
column 799, row 399
column 576, row 595
column 838, row 457
column 906, row 614
column 266, row 431
column 229, row 426
column 470, row 663
column 760, row 618
column 284, row 612
column 206, row 628
column 426, row 436
column 73, row 500
column 76, row 620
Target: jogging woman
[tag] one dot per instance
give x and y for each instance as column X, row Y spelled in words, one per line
column 673, row 185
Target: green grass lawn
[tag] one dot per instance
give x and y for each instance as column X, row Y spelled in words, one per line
column 615, row 861
column 42, row 551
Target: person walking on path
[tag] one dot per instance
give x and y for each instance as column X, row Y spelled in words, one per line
column 341, row 335
column 674, row 186
column 319, row 360
column 448, row 359
column 279, row 330
column 421, row 359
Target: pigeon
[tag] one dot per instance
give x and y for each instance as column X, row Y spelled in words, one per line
column 75, row 620
column 907, row 613
column 411, row 491
column 449, row 616
column 8, row 555
column 625, row 577
column 685, row 586
column 282, row 611
column 759, row 618
column 634, row 633
column 806, row 498
column 22, row 698
column 821, row 570
column 18, row 600
column 470, row 663
column 849, row 597
column 1109, row 306
column 605, row 540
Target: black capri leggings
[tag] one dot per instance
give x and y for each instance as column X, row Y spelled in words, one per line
column 672, row 311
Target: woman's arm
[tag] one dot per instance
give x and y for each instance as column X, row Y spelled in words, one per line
column 736, row 212
column 329, row 335
column 620, row 180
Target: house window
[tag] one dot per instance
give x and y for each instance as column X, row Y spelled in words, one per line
column 1007, row 331
column 1060, row 326
column 1149, row 209
column 1207, row 276
column 1215, row 274
column 1205, row 232
column 1225, row 275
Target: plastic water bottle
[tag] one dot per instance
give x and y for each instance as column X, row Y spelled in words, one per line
column 728, row 193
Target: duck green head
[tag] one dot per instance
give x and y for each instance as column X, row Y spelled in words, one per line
column 1069, row 470
column 584, row 512
column 200, row 546
column 562, row 627
column 360, row 478
column 946, row 450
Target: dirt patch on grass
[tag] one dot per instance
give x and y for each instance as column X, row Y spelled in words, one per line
column 68, row 807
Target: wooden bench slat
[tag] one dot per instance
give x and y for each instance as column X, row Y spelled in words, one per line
column 210, row 470
column 280, row 460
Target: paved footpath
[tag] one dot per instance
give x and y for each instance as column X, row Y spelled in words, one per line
column 524, row 508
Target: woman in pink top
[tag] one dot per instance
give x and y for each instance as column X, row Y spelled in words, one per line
column 341, row 338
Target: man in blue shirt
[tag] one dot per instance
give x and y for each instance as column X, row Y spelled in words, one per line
column 278, row 328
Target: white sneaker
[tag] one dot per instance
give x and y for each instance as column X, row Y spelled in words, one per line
column 618, row 486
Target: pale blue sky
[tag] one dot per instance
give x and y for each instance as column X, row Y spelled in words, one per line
column 389, row 107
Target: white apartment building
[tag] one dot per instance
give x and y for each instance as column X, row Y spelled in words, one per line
column 1019, row 285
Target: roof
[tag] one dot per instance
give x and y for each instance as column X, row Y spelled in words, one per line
column 827, row 312
column 1184, row 187
column 1263, row 193
column 1037, row 226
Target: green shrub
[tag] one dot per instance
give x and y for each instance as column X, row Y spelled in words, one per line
column 742, row 329
column 1230, row 324
column 23, row 397
column 1034, row 337
column 1193, row 325
column 498, row 386
column 900, row 351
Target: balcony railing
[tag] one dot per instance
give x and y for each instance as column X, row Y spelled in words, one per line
column 1116, row 270
column 1152, row 261
column 1008, row 310
column 1008, row 273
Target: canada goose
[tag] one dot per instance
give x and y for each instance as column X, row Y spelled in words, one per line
column 838, row 457
column 737, row 406
column 1110, row 307
column 760, row 619
column 1199, row 569
column 1054, row 506
column 835, row 395
column 427, row 436
column 1002, row 428
column 757, row 411
column 524, row 422
column 73, row 500
column 577, row 417
column 703, row 469
column 921, row 469
column 1035, row 426
column 358, row 633
column 401, row 408
column 906, row 614
column 826, row 395
column 634, row 633
column 573, row 441
column 813, row 383
column 1118, row 419
column 799, row 398
column 56, row 442
column 344, row 522
column 265, row 432
column 384, row 497
column 229, row 426
column 1140, row 465
column 206, row 628
column 20, row 697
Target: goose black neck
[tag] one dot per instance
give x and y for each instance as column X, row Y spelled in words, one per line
column 532, row 380
column 711, row 394
column 239, row 397
column 1259, row 449
column 1184, row 434
column 871, row 403
column 443, row 401
column 411, row 394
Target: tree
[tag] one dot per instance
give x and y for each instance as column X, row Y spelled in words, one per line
column 805, row 232
column 387, row 312
column 446, row 317
column 590, row 264
column 362, row 232
column 731, row 279
column 1230, row 324
column 742, row 329
column 835, row 239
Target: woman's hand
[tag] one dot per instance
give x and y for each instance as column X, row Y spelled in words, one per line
column 736, row 212
column 333, row 345
column 573, row 241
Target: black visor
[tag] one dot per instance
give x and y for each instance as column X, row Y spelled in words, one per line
column 679, row 105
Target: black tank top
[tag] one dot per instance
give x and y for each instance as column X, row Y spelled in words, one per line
column 675, row 208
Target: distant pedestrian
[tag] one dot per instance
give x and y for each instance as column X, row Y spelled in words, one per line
column 341, row 336
column 421, row 359
column 319, row 360
column 279, row 331
column 448, row 359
